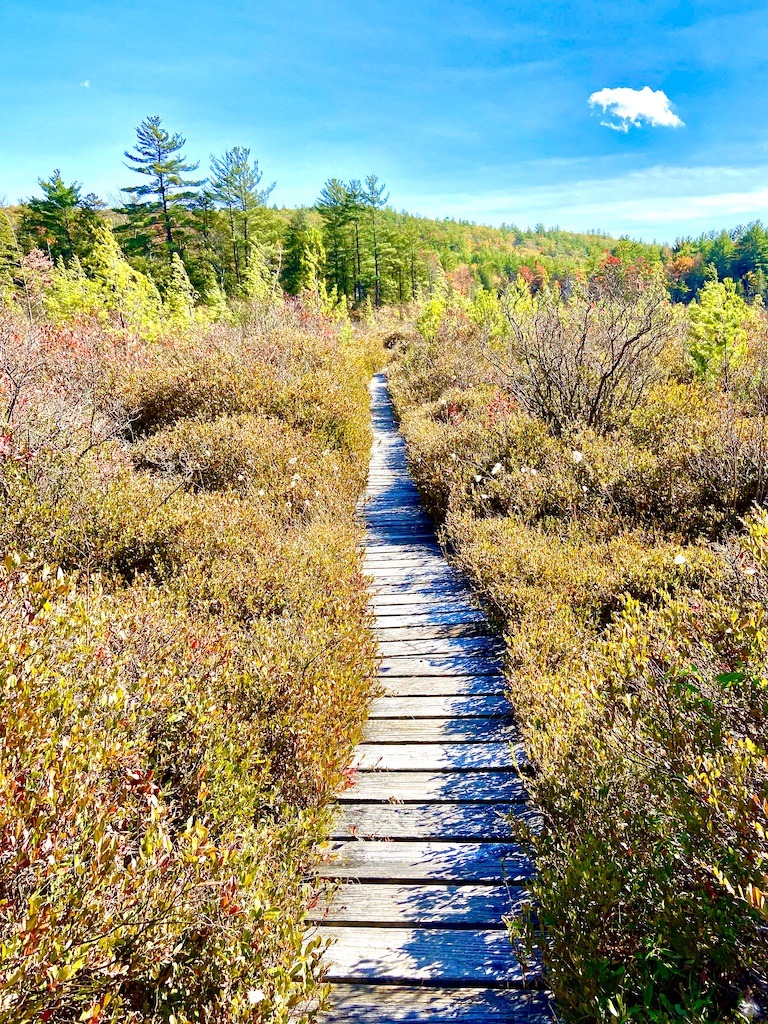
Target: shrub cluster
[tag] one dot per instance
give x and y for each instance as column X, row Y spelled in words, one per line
column 617, row 560
column 181, row 690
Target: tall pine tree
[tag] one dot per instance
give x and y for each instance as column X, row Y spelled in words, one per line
column 235, row 187
column 335, row 207
column 375, row 200
column 161, row 202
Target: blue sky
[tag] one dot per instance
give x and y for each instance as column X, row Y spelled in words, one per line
column 467, row 110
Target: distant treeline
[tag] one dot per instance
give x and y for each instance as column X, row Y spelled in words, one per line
column 349, row 245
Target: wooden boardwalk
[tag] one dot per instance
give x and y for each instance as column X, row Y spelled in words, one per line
column 421, row 850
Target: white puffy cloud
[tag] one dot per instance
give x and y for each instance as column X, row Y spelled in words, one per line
column 633, row 107
column 86, row 84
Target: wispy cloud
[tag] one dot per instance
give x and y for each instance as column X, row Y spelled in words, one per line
column 661, row 202
column 86, row 84
column 635, row 107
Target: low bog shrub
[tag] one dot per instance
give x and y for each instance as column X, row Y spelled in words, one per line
column 614, row 554
column 180, row 698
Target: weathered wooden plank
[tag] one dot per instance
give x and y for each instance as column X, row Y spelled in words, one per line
column 437, row 589
column 411, row 597
column 402, row 519
column 449, row 822
column 459, row 665
column 397, row 615
column 397, row 535
column 401, row 489
column 429, row 547
column 394, row 1004
column 399, row 532
column 406, row 564
column 424, row 549
column 488, row 645
column 401, row 556
column 481, row 906
column 404, row 510
column 406, row 548
column 500, row 729
column 438, row 707
column 387, row 488
column 405, row 577
column 430, row 861
column 419, row 632
column 423, row 566
column 447, row 603
column 421, row 954
column 392, row 492
column 392, row 540
column 421, row 786
column 415, row 565
column 428, row 757
column 442, row 686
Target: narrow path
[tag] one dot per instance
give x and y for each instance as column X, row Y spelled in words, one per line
column 421, row 846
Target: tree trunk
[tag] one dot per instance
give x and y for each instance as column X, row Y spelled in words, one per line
column 377, row 284
column 166, row 215
column 235, row 254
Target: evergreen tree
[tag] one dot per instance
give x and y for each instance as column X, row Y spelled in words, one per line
column 51, row 221
column 375, row 199
column 130, row 298
column 235, row 187
column 179, row 299
column 751, row 253
column 720, row 321
column 335, row 207
column 159, row 204
column 205, row 223
column 355, row 202
column 304, row 255
column 720, row 253
column 395, row 260
column 260, row 284
column 411, row 242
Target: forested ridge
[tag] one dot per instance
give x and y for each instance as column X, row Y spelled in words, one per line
column 212, row 234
